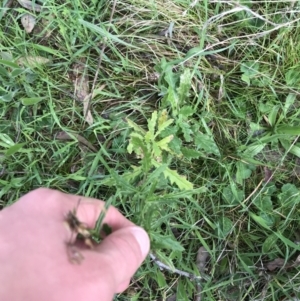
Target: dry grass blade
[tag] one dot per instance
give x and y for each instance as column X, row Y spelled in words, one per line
column 28, row 21
column 81, row 85
column 65, row 136
column 202, row 257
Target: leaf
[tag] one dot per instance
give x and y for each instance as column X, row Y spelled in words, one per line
column 167, row 242
column 31, row 101
column 174, row 177
column 30, row 5
column 136, row 127
column 242, row 172
column 81, row 86
column 263, row 203
column 152, row 123
column 184, row 85
column 186, row 111
column 288, row 130
column 272, row 117
column 9, row 96
column 289, row 102
column 163, row 143
column 202, row 257
column 9, row 64
column 7, row 140
column 207, row 143
column 275, row 264
column 259, row 220
column 229, row 196
column 269, row 243
column 163, row 117
column 268, row 218
column 66, row 136
column 14, row 149
column 28, row 21
column 253, row 150
column 33, row 61
column 290, row 196
column 187, row 131
column 190, row 153
column 224, row 227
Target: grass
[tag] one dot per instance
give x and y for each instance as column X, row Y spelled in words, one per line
column 227, row 75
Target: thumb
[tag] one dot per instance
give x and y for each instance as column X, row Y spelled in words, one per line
column 124, row 251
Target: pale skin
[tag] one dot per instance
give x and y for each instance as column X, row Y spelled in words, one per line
column 34, row 260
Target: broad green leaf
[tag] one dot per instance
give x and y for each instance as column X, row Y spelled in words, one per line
column 9, row 64
column 289, row 102
column 187, row 131
column 167, row 242
column 295, row 149
column 272, row 117
column 3, row 72
column 31, row 101
column 268, row 218
column 172, row 100
column 17, row 72
column 7, row 140
column 184, row 85
column 186, row 111
column 160, row 278
column 242, row 173
column 253, row 150
column 246, row 78
column 136, row 127
column 259, row 220
column 290, row 195
column 182, row 293
column 250, row 68
column 8, row 96
column 163, row 117
column 163, row 143
column 288, row 130
column 190, row 153
column 269, row 243
column 263, row 203
column 13, row 149
column 127, row 177
column 292, row 77
column 206, row 143
column 174, row 177
column 224, row 227
column 152, row 123
column 163, row 126
column 230, row 197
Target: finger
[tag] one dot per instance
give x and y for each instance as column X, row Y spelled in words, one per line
column 124, row 251
column 89, row 211
column 56, row 205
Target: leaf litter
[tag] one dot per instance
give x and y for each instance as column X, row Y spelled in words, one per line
column 279, row 263
column 28, row 21
column 66, row 136
column 201, row 261
column 30, row 5
column 80, row 80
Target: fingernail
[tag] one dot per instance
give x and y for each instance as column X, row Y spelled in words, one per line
column 142, row 238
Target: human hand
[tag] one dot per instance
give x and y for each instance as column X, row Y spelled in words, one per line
column 33, row 250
